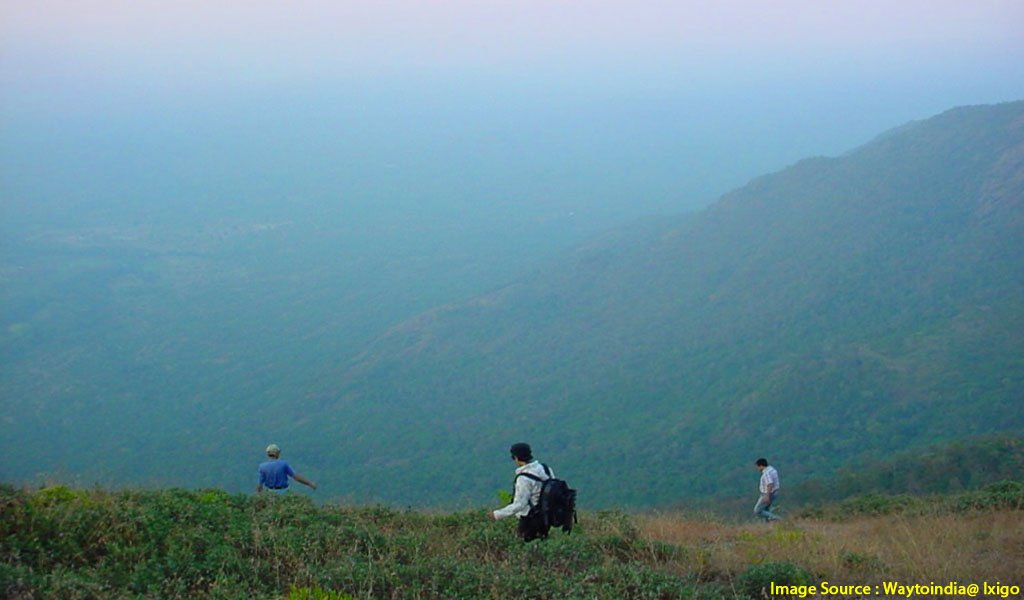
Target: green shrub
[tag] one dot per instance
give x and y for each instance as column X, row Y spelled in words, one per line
column 66, row 543
column 877, row 504
column 315, row 593
column 1002, row 494
column 996, row 496
column 757, row 580
column 862, row 562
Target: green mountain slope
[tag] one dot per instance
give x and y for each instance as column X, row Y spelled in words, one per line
column 843, row 309
column 944, row 469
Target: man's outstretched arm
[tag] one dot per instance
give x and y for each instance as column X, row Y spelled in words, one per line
column 304, row 481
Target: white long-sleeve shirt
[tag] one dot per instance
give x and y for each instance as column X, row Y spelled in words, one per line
column 527, row 491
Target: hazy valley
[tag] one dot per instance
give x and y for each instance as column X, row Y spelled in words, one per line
column 845, row 308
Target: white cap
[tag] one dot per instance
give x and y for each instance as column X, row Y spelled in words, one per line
column 273, row 449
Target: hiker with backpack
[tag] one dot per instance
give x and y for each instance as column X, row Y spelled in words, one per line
column 540, row 500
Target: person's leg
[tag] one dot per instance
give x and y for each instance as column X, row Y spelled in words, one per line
column 760, row 509
column 769, row 510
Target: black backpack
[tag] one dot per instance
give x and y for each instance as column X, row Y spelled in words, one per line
column 557, row 504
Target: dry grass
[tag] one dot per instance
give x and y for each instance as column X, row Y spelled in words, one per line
column 969, row 548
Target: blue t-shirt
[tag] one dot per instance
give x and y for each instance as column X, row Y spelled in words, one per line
column 274, row 474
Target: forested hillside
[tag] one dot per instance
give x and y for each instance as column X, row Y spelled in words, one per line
column 945, row 469
column 843, row 309
column 825, row 316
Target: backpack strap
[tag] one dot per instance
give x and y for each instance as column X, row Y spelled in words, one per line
column 547, row 472
column 533, row 477
column 530, row 476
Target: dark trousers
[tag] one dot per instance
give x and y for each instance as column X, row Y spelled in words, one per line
column 532, row 526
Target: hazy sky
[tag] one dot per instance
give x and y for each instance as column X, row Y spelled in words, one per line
column 658, row 101
column 188, row 42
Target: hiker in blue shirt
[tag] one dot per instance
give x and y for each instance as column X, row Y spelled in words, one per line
column 275, row 472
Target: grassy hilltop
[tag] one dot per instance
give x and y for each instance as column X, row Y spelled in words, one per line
column 67, row 543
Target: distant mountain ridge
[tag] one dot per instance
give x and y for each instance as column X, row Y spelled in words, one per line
column 844, row 308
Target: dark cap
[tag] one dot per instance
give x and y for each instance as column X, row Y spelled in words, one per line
column 521, row 451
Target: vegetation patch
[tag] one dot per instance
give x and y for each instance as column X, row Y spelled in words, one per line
column 60, row 542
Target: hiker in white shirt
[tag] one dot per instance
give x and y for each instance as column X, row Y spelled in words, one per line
column 769, row 489
column 527, row 489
